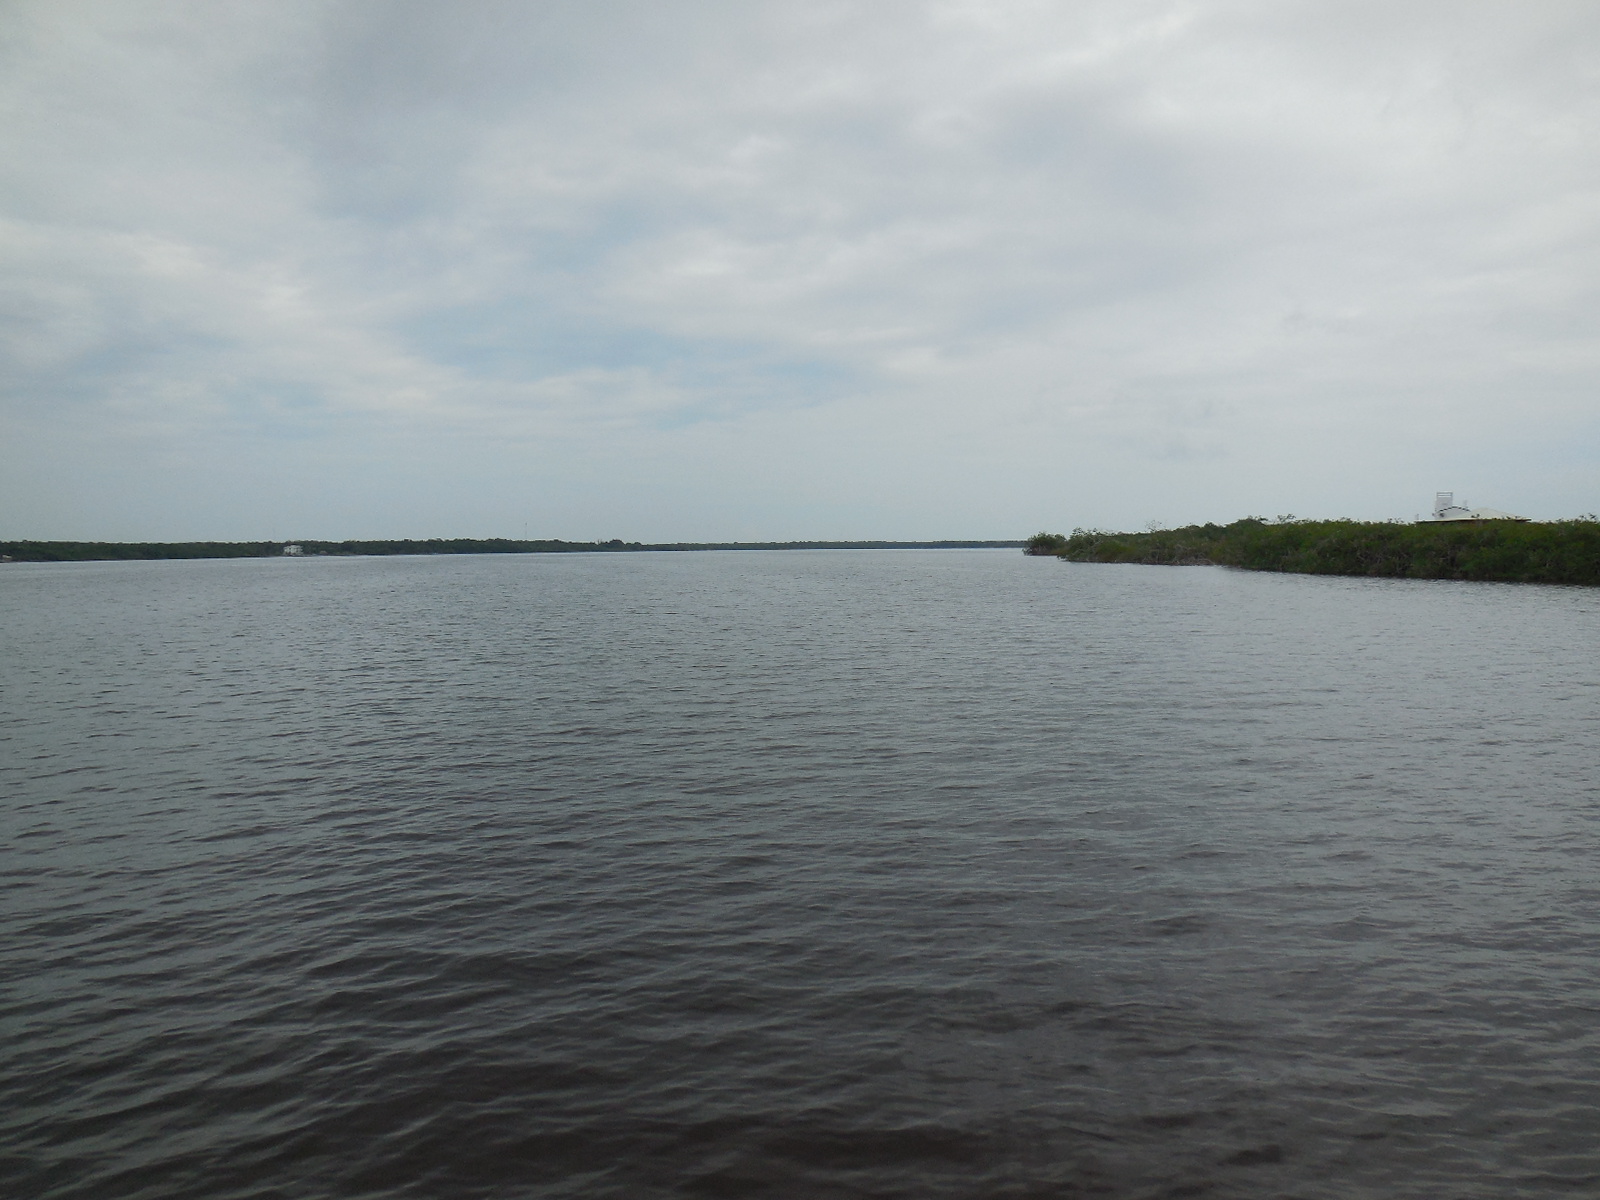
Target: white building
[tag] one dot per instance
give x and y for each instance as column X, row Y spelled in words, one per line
column 1445, row 508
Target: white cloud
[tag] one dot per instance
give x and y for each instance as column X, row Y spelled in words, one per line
column 1211, row 255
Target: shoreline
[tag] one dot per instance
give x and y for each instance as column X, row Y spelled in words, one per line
column 63, row 551
column 1489, row 551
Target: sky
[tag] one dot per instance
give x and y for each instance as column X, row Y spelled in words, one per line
column 278, row 269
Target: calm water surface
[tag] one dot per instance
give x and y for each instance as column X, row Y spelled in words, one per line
column 795, row 874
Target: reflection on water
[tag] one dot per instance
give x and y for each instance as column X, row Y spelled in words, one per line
column 820, row 874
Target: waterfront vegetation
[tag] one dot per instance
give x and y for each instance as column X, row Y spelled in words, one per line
column 1507, row 551
column 34, row 551
column 1045, row 544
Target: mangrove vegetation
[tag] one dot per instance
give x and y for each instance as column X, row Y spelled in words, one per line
column 37, row 551
column 1504, row 551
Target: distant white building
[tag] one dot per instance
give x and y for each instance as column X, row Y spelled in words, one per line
column 1445, row 508
column 293, row 551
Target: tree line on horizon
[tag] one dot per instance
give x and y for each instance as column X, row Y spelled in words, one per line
column 43, row 551
column 1491, row 551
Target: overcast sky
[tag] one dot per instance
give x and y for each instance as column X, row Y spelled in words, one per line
column 709, row 270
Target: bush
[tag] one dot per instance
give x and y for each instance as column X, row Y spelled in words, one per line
column 1510, row 551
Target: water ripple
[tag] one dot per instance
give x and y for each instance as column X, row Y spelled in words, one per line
column 835, row 874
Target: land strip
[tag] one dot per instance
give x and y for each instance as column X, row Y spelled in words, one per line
column 1502, row 551
column 37, row 551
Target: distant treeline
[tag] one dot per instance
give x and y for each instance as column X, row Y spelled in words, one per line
column 101, row 551
column 1505, row 551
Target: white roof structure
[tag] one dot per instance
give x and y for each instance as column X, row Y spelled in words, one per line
column 1445, row 508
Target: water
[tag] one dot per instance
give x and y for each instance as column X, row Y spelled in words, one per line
column 822, row 874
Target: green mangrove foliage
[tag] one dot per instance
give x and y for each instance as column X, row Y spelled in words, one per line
column 1506, row 551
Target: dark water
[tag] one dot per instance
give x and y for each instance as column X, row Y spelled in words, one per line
column 831, row 874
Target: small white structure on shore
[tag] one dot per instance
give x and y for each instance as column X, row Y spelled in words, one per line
column 292, row 551
column 1445, row 508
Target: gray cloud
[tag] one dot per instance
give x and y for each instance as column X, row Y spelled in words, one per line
column 768, row 270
